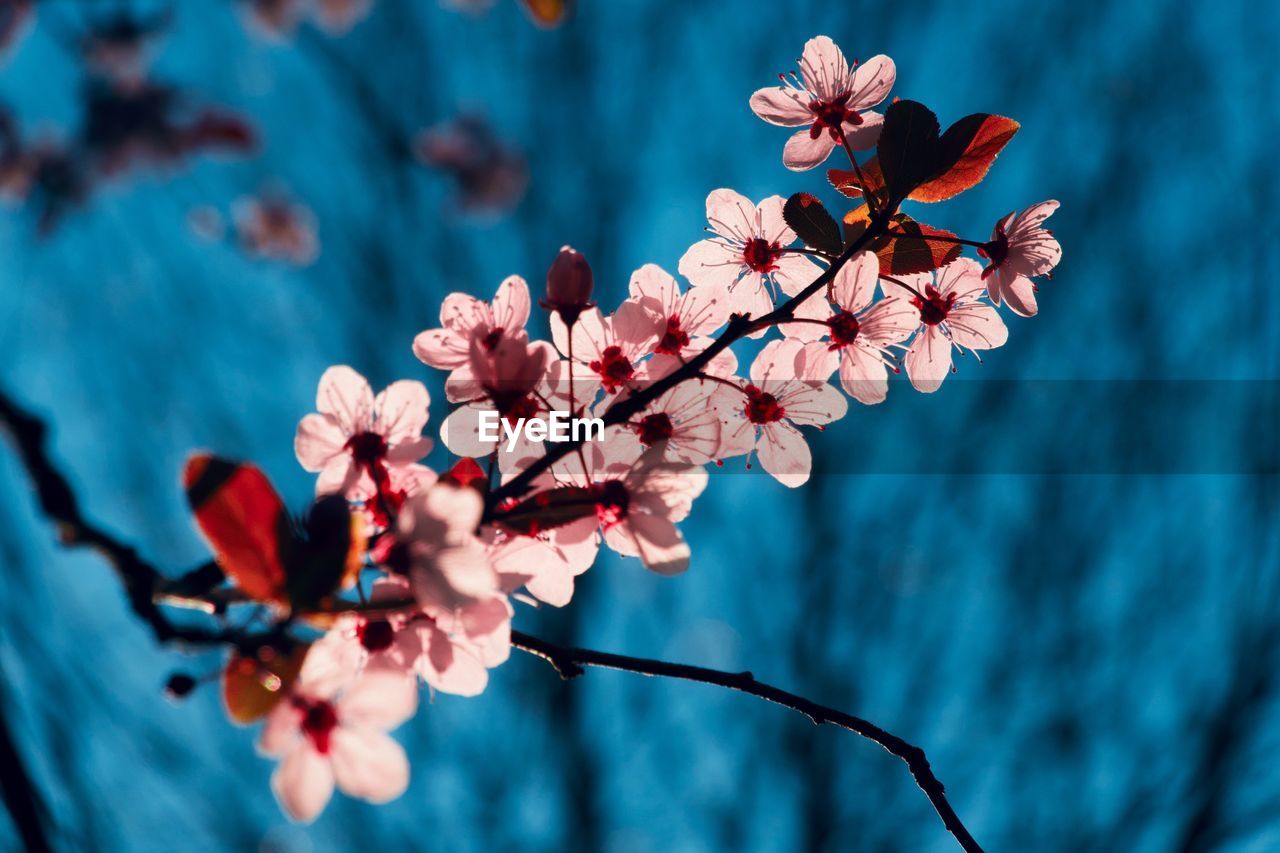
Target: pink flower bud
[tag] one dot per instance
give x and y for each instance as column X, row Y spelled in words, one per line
column 569, row 284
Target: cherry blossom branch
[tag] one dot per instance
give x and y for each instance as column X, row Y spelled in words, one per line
column 738, row 328
column 570, row 662
column 143, row 583
column 145, row 586
column 867, row 196
column 21, row 796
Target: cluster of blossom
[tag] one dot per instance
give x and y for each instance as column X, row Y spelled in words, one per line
column 129, row 120
column 453, row 551
column 270, row 225
column 491, row 177
column 277, row 19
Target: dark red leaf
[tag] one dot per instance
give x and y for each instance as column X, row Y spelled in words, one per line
column 846, row 180
column 914, row 251
column 253, row 685
column 908, row 147
column 965, row 154
column 812, row 224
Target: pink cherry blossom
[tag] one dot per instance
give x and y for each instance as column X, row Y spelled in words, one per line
column 464, row 319
column 274, row 19
column 829, row 96
column 541, row 564
column 639, row 499
column 403, row 481
column 638, row 511
column 436, row 548
column 490, row 175
column 461, row 430
column 451, row 650
column 516, row 380
column 277, row 229
column 858, row 337
column 547, row 562
column 683, row 424
column 503, row 377
column 1018, row 250
column 611, row 347
column 747, row 254
column 683, row 322
column 772, row 405
column 339, row 16
column 355, row 439
column 332, row 729
column 951, row 315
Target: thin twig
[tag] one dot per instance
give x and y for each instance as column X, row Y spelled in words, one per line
column 867, row 195
column 142, row 582
column 21, row 797
column 569, row 663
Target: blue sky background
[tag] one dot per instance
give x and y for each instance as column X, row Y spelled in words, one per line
column 1089, row 661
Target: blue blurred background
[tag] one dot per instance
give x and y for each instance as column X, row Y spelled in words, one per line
column 1091, row 662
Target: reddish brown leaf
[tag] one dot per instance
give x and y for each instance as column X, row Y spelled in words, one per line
column 846, row 181
column 914, row 251
column 242, row 516
column 969, row 147
column 908, row 251
column 252, row 686
column 547, row 13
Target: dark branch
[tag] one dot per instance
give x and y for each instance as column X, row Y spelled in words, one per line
column 569, row 663
column 21, row 797
column 143, row 583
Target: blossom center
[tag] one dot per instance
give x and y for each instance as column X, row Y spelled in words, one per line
column 844, row 329
column 673, row 339
column 933, row 306
column 654, row 428
column 367, row 448
column 761, row 255
column 614, row 368
column 516, row 410
column 612, row 501
column 319, row 719
column 491, row 340
column 375, row 635
column 762, row 407
column 831, row 114
column 996, row 250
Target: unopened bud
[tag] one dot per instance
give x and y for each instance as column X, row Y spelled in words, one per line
column 569, row 285
column 179, row 685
